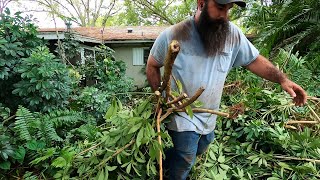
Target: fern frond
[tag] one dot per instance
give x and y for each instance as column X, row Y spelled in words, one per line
column 23, row 120
column 65, row 118
column 47, row 132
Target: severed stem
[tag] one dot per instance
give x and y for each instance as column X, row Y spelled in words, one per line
column 160, row 142
column 298, row 159
column 290, row 127
column 173, row 51
column 302, row 122
column 169, row 111
column 314, row 113
column 180, row 98
column 200, row 110
column 194, row 98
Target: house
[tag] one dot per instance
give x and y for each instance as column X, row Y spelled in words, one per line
column 131, row 44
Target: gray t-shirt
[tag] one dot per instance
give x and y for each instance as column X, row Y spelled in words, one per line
column 194, row 69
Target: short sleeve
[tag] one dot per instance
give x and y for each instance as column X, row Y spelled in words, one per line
column 160, row 48
column 247, row 52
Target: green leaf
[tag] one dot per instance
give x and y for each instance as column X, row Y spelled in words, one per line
column 273, row 178
column 198, row 104
column 140, row 137
column 128, row 169
column 100, row 175
column 252, row 157
column 112, row 109
column 189, row 111
column 147, row 114
column 119, row 159
column 255, row 160
column 120, row 105
column 209, row 165
column 221, row 159
column 225, row 167
column 60, row 162
column 142, row 107
column 135, row 128
column 35, row 145
column 19, row 154
column 5, row 165
column 212, row 156
column 111, row 168
column 179, row 85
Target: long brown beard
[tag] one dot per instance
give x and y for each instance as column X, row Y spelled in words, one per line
column 213, row 32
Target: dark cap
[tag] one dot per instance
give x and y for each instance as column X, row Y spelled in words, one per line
column 238, row 2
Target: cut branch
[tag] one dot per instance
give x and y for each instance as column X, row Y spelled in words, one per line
column 298, row 159
column 302, row 122
column 159, row 140
column 200, row 110
column 194, row 98
column 180, row 98
column 314, row 113
column 117, row 152
column 290, row 127
column 173, row 51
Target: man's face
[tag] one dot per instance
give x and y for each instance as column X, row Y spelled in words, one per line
column 213, row 26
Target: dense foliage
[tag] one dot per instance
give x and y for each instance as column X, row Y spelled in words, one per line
column 17, row 39
column 292, row 25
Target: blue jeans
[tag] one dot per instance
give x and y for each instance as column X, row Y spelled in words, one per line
column 187, row 146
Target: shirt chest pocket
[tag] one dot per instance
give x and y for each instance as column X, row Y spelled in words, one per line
column 224, row 61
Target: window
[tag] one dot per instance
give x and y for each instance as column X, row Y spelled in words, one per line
column 140, row 56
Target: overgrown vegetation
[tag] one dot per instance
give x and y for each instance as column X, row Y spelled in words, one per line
column 52, row 127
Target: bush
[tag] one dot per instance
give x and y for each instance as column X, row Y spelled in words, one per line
column 18, row 37
column 45, row 83
column 107, row 73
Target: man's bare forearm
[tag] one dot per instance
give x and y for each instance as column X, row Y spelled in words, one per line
column 153, row 76
column 153, row 73
column 265, row 69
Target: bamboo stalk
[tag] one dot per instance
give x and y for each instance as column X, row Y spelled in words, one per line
column 192, row 99
column 298, row 159
column 160, row 142
column 302, row 122
column 314, row 113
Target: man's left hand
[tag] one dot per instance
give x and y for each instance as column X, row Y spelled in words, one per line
column 298, row 93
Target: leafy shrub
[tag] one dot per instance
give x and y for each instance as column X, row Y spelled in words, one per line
column 18, row 37
column 106, row 72
column 93, row 101
column 34, row 135
column 45, row 83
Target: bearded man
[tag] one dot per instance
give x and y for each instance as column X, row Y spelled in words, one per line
column 210, row 47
